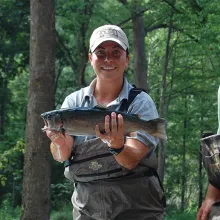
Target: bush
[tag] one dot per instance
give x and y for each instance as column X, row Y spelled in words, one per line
column 7, row 211
column 189, row 215
column 64, row 213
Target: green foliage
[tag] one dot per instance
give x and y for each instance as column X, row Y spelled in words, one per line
column 14, row 22
column 62, row 190
column 16, row 108
column 7, row 211
column 64, row 212
column 9, row 165
column 11, row 172
column 181, row 215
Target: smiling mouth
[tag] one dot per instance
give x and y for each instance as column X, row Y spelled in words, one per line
column 108, row 68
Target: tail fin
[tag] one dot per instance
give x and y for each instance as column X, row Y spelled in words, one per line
column 161, row 129
column 156, row 127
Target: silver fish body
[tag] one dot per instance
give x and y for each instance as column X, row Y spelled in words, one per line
column 81, row 122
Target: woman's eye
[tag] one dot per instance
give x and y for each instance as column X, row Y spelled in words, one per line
column 100, row 53
column 116, row 52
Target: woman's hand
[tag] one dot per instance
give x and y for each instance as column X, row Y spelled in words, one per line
column 61, row 145
column 205, row 209
column 56, row 137
column 114, row 132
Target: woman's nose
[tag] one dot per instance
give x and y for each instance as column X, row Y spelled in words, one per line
column 108, row 58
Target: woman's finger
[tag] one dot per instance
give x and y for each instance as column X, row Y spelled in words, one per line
column 114, row 126
column 107, row 125
column 120, row 124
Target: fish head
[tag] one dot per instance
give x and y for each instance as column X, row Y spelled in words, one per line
column 53, row 120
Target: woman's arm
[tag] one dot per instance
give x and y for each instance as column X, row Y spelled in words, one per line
column 133, row 150
column 132, row 153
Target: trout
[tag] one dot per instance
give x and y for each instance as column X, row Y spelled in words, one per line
column 81, row 122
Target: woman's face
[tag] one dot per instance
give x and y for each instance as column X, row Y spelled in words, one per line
column 109, row 60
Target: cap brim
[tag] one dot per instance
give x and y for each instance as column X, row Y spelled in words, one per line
column 98, row 42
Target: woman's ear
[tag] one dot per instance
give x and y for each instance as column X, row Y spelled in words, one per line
column 90, row 57
column 127, row 63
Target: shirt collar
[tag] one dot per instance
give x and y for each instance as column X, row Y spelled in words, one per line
column 88, row 93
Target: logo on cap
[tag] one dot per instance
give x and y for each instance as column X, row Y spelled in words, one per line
column 108, row 32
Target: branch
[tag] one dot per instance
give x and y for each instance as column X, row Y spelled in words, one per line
column 158, row 26
column 172, row 6
column 195, row 6
column 136, row 15
column 66, row 51
column 124, row 2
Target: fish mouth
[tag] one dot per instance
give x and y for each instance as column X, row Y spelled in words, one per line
column 52, row 121
column 45, row 122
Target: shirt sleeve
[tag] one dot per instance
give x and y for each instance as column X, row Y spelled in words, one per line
column 144, row 107
column 69, row 102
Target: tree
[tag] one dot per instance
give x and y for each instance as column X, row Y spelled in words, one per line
column 162, row 149
column 36, row 179
column 140, row 60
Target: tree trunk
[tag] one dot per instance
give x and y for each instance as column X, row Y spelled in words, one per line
column 83, row 57
column 200, row 176
column 162, row 145
column 87, row 11
column 3, row 99
column 140, row 60
column 37, row 171
column 183, row 175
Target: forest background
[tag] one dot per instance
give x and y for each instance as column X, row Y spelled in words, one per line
column 174, row 49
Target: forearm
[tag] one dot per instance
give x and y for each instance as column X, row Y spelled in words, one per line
column 212, row 193
column 132, row 153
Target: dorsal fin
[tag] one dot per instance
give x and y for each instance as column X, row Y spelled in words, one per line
column 100, row 107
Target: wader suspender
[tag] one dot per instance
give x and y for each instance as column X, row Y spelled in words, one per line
column 131, row 96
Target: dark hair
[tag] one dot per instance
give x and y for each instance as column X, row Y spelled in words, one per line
column 127, row 52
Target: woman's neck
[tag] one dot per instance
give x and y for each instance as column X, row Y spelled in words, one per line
column 106, row 92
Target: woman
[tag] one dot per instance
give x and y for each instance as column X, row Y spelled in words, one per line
column 134, row 191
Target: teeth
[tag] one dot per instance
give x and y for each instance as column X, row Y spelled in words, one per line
column 108, row 68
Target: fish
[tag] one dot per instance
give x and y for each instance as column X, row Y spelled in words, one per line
column 81, row 121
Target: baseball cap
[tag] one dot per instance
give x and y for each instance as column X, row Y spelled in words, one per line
column 108, row 33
